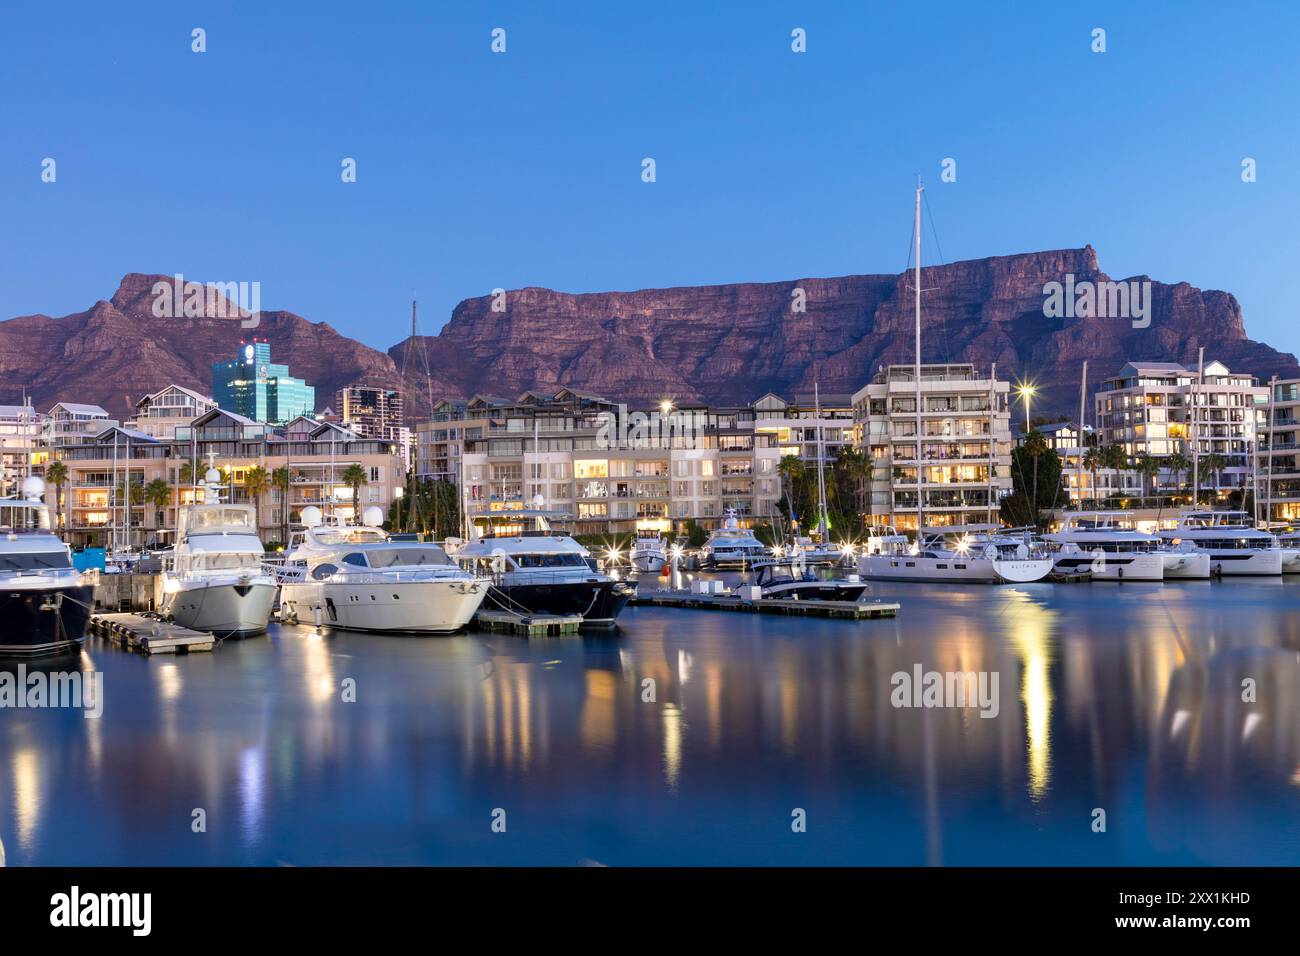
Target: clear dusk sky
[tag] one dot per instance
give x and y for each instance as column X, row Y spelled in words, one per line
column 477, row 170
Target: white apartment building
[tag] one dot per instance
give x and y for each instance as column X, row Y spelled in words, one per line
column 69, row 423
column 160, row 414
column 20, row 432
column 965, row 467
column 1279, row 464
column 1163, row 408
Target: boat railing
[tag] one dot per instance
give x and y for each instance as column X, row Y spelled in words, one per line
column 401, row 575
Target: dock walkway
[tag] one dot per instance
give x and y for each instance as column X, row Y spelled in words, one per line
column 149, row 635
column 528, row 624
column 851, row 610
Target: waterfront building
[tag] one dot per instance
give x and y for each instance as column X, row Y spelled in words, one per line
column 1162, row 408
column 256, row 388
column 20, row 432
column 613, row 468
column 966, row 442
column 1279, row 469
column 316, row 454
column 160, row 414
column 68, row 423
column 371, row 410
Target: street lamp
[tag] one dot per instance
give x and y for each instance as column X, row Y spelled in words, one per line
column 1026, row 391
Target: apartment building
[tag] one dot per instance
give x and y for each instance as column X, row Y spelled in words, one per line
column 1163, row 408
column 1063, row 438
column 371, row 410
column 966, row 440
column 160, row 414
column 614, row 468
column 69, row 423
column 20, row 432
column 316, row 455
column 1279, row 445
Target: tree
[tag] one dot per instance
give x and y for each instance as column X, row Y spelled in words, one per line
column 1214, row 464
column 1178, row 466
column 158, row 493
column 1035, row 477
column 129, row 494
column 256, row 483
column 1114, row 457
column 794, row 478
column 354, row 477
column 854, row 468
column 188, row 473
column 57, row 475
column 1091, row 460
column 1035, row 447
column 1148, row 467
column 280, row 480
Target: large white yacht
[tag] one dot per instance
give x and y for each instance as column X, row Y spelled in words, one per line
column 1234, row 545
column 44, row 601
column 969, row 554
column 1101, row 543
column 732, row 546
column 536, row 569
column 355, row 578
column 215, row 580
column 648, row 553
column 1288, row 540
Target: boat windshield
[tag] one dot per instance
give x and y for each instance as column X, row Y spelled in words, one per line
column 565, row 560
column 24, row 518
column 225, row 561
column 407, row 557
column 40, row 561
column 221, row 519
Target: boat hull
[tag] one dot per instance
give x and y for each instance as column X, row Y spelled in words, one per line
column 1186, row 565
column 226, row 610
column 1291, row 560
column 1242, row 562
column 599, row 602
column 648, row 563
column 1109, row 566
column 816, row 591
column 28, row 631
column 395, row 607
column 905, row 567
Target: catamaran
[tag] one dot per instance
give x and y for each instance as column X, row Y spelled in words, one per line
column 1099, row 543
column 1234, row 545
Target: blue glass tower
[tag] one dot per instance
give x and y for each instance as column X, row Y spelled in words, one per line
column 253, row 386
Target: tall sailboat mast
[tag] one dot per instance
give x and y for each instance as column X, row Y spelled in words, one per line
column 920, row 509
column 821, row 470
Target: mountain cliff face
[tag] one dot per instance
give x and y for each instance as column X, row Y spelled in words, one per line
column 731, row 343
column 724, row 344
column 118, row 351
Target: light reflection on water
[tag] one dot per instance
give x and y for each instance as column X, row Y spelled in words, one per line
column 1125, row 697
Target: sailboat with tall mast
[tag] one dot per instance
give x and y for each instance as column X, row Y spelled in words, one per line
column 949, row 554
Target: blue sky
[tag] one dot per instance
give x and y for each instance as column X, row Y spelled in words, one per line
column 477, row 170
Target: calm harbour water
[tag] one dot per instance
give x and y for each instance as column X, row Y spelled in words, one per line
column 1121, row 697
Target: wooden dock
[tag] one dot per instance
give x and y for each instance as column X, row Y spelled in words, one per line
column 849, row 610
column 529, row 625
column 149, row 635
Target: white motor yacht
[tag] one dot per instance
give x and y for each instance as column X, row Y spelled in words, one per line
column 356, row 578
column 1234, row 545
column 215, row 580
column 536, row 569
column 648, row 553
column 1100, row 542
column 1288, row 540
column 732, row 546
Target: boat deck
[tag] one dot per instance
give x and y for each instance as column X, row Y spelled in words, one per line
column 851, row 610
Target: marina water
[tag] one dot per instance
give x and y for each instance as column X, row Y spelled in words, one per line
column 695, row 737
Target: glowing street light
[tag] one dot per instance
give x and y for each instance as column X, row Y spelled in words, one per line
column 1026, row 391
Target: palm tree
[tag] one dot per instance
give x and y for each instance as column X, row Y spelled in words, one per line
column 129, row 494
column 354, row 477
column 1035, row 448
column 1114, row 457
column 280, row 480
column 1214, row 464
column 188, row 473
column 157, row 493
column 1148, row 467
column 1091, row 459
column 792, row 473
column 57, row 475
column 857, row 468
column 256, row 483
column 1178, row 466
